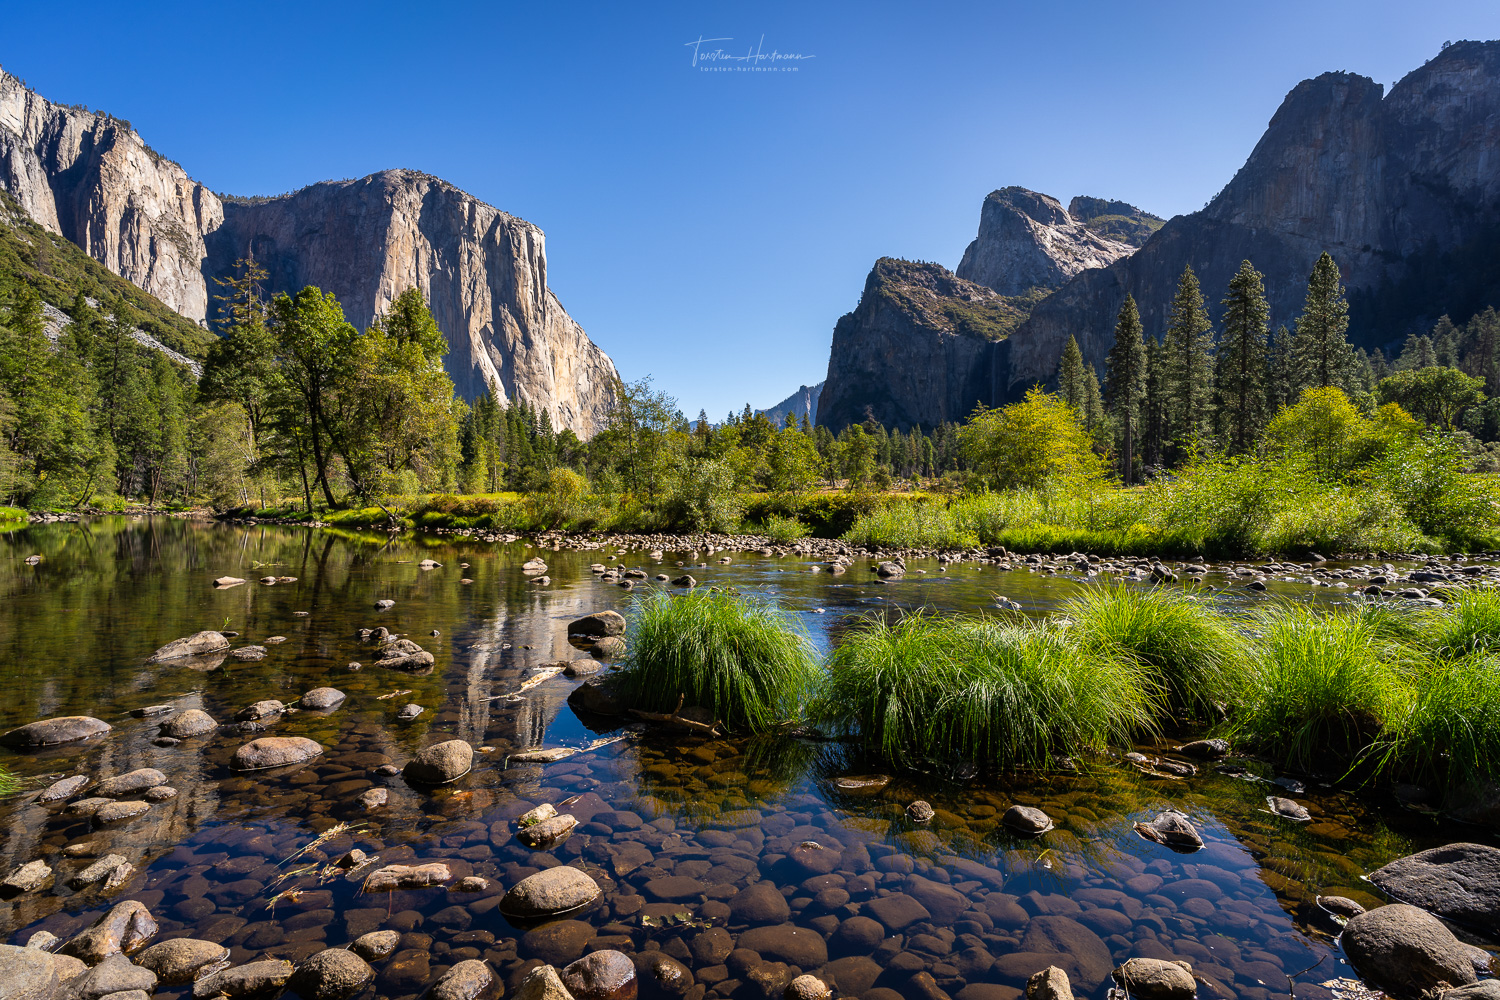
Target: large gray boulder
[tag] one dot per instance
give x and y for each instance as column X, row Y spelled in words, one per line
column 28, row 974
column 547, row 893
column 599, row 624
column 193, row 722
column 251, row 980
column 126, row 927
column 403, row 654
column 50, row 732
column 1406, row 952
column 131, row 783
column 1460, row 882
column 181, row 960
column 440, row 763
column 274, row 751
column 116, row 974
column 198, row 644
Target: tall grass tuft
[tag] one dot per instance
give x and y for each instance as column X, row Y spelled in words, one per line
column 744, row 660
column 1003, row 694
column 779, row 529
column 1451, row 735
column 1194, row 655
column 1326, row 686
column 1469, row 623
column 912, row 526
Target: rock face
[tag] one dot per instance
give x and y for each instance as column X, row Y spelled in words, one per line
column 484, row 274
column 918, row 349
column 1028, row 240
column 803, row 402
column 91, row 178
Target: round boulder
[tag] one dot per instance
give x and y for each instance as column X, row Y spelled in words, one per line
column 331, row 974
column 193, row 722
column 181, row 960
column 547, row 893
column 599, row 624
column 1155, row 979
column 322, row 699
column 1406, row 952
column 440, row 763
column 274, row 751
column 601, row 975
column 50, row 732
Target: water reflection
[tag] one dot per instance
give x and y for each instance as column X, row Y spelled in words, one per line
column 684, row 833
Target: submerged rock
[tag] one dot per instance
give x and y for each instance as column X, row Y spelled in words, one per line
column 50, row 732
column 597, row 696
column 920, row 811
column 331, row 974
column 181, row 960
column 556, row 890
column 269, row 708
column 601, row 975
column 376, row 945
column 1171, row 829
column 131, row 783
column 1460, row 882
column 28, row 877
column 197, row 644
column 1287, row 809
column 1027, row 820
column 468, row 980
column 1406, row 952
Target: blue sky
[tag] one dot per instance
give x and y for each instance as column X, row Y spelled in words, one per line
column 706, row 227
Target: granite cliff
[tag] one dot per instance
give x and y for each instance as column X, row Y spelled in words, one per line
column 1401, row 188
column 90, row 178
column 803, row 402
column 1029, row 241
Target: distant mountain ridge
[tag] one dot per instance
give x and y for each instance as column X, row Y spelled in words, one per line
column 90, row 178
column 803, row 402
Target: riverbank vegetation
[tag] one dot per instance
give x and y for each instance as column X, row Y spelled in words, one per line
column 1196, row 443
column 1371, row 692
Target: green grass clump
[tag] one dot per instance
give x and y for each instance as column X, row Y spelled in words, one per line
column 1469, row 623
column 1003, row 694
column 1329, row 683
column 1451, row 734
column 744, row 660
column 12, row 514
column 779, row 529
column 914, row 526
column 1195, row 655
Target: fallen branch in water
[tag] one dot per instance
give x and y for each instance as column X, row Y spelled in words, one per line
column 674, row 719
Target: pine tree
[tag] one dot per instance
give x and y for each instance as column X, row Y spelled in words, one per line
column 1320, row 353
column 1125, row 380
column 1153, row 404
column 1483, row 357
column 1240, row 376
column 1418, row 352
column 1187, row 353
column 1281, row 372
column 1070, row 376
column 1446, row 341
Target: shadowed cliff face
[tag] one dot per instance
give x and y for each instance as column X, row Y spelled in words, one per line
column 911, row 351
column 1375, row 182
column 484, row 274
column 1027, row 240
column 93, row 180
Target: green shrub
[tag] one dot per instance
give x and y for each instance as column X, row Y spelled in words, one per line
column 1327, row 686
column 1469, row 623
column 703, row 497
column 1451, row 735
column 910, row 526
column 780, row 530
column 746, row 661
column 1003, row 694
column 1194, row 655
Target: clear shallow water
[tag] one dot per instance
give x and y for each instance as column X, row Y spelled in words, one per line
column 671, row 826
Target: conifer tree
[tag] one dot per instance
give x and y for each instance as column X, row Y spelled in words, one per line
column 1187, row 353
column 1446, row 342
column 1125, row 380
column 1153, row 404
column 1240, row 376
column 1320, row 353
column 1281, row 372
column 1070, row 381
column 1418, row 352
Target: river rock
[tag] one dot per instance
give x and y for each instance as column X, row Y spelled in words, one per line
column 403, row 654
column 535, row 815
column 599, row 624
column 28, row 877
column 115, row 974
column 1049, row 984
column 392, row 878
column 468, row 980
column 161, row 793
column 1406, row 952
column 409, row 712
column 331, row 974
column 385, row 604
column 808, row 988
column 373, row 798
column 761, row 903
column 124, row 928
column 118, row 812
column 255, row 979
column 602, row 975
column 1485, row 989
column 542, row 983
column 269, row 708
column 440, row 763
column 322, row 699
column 1077, row 950
column 181, row 960
column 197, row 644
column 28, row 974
column 131, row 783
column 62, row 789
column 556, row 890
column 1287, row 809
column 662, row 975
column 685, row 580
column 1459, row 881
column 274, row 751
column 1205, row 749
column 1027, row 820
column 228, row 581
column 920, row 811
column 544, row 835
column 97, row 872
column 376, row 945
column 248, row 654
column 1156, row 979
column 193, row 722
column 1173, row 830
column 800, row 946
column 50, row 732
column 596, row 695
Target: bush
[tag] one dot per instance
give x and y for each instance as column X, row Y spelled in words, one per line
column 1194, row 656
column 560, row 501
column 780, row 530
column 746, row 661
column 913, row 526
column 703, row 497
column 1327, row 685
column 1005, row 695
